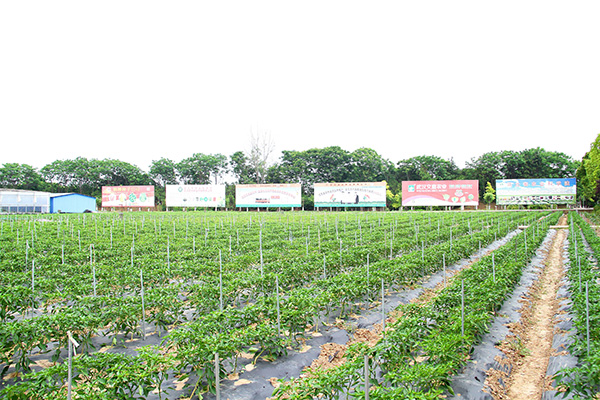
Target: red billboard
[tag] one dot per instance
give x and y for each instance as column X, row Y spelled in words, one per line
column 440, row 193
column 127, row 196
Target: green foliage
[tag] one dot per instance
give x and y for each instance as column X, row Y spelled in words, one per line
column 583, row 381
column 200, row 168
column 182, row 296
column 328, row 164
column 530, row 163
column 87, row 176
column 241, row 169
column 426, row 168
column 393, row 201
column 588, row 174
column 490, row 193
column 20, row 176
column 164, row 172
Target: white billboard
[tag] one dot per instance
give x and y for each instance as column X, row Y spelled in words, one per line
column 195, row 195
column 273, row 195
column 350, row 194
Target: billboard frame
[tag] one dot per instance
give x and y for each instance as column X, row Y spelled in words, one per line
column 125, row 193
column 536, row 191
column 214, row 196
column 349, row 199
column 269, row 192
column 440, row 193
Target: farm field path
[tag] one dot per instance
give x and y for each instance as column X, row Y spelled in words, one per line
column 530, row 350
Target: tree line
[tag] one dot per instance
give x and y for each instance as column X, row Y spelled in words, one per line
column 329, row 164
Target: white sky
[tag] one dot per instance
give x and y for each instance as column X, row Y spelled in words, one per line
column 141, row 80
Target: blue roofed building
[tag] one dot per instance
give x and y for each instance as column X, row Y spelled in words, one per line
column 18, row 201
column 71, row 203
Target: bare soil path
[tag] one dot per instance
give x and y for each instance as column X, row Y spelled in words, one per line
column 529, row 347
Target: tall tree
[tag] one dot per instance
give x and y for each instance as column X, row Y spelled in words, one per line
column 526, row 164
column 116, row 173
column 490, row 194
column 200, row 168
column 164, row 172
column 486, row 168
column 588, row 174
column 368, row 166
column 261, row 149
column 241, row 168
column 20, row 176
column 60, row 175
column 329, row 164
column 82, row 175
column 424, row 168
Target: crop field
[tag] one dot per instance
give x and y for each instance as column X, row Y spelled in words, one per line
column 187, row 305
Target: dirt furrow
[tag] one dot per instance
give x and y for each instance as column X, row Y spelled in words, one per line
column 529, row 347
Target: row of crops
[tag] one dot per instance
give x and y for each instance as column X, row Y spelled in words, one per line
column 232, row 283
column 583, row 381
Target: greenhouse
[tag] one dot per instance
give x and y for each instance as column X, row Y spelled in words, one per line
column 15, row 201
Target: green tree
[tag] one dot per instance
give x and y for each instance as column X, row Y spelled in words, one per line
column 490, row 194
column 200, row 168
column 368, row 166
column 485, row 168
column 109, row 172
column 330, row 164
column 588, row 174
column 426, row 168
column 20, row 176
column 60, row 176
column 87, row 176
column 241, row 168
column 393, row 201
column 164, row 172
column 526, row 164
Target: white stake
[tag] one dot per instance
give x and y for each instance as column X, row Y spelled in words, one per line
column 143, row 305
column 220, row 280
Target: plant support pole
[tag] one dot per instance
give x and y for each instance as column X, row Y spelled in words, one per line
column 444, row 264
column 261, row 254
column 366, row 377
column 278, row 311
column 71, row 342
column 462, row 308
column 143, row 305
column 217, row 380
column 382, row 308
column 493, row 268
column 220, row 281
column 587, row 317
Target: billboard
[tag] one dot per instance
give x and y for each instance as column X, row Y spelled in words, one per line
column 440, row 193
column 195, row 195
column 127, row 196
column 354, row 194
column 536, row 191
column 274, row 195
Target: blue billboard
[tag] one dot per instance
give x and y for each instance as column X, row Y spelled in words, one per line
column 536, row 191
